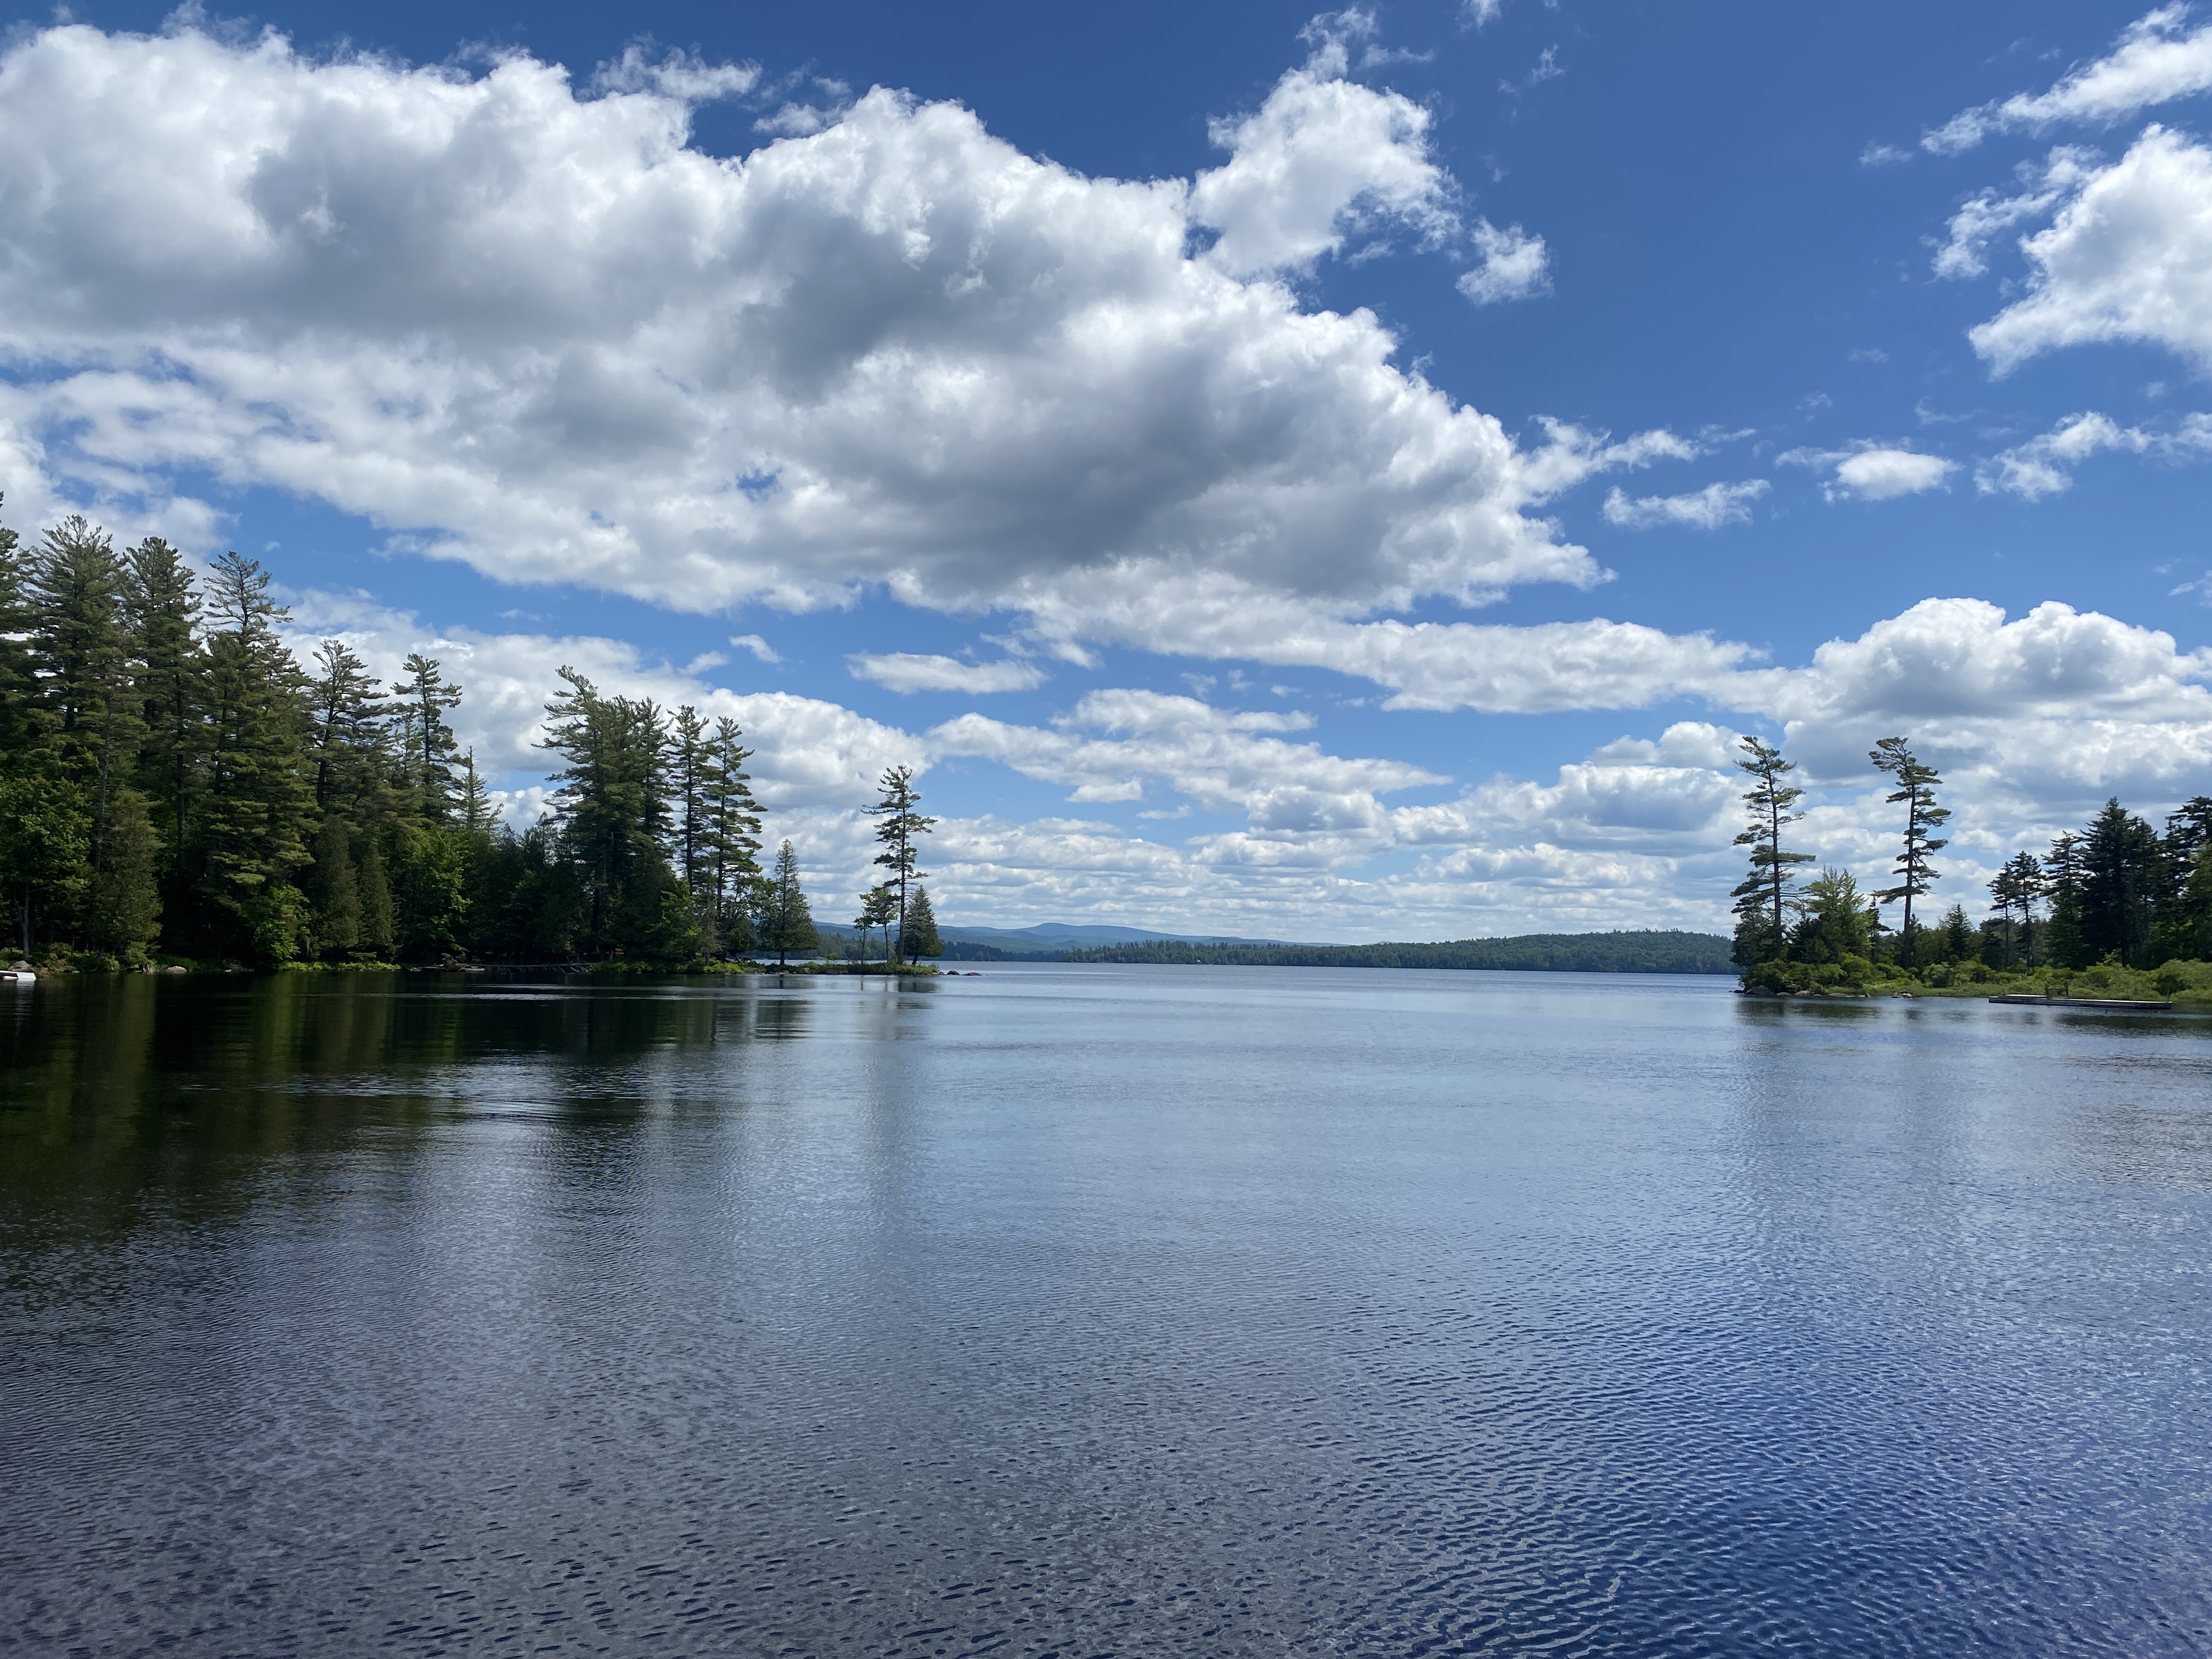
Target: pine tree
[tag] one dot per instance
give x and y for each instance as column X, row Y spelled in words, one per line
column 18, row 681
column 164, row 611
column 377, row 929
column 733, row 831
column 878, row 908
column 691, row 783
column 1915, row 791
column 260, row 800
column 2183, row 923
column 478, row 816
column 351, row 743
column 1832, row 925
column 786, row 920
column 612, row 808
column 2122, row 873
column 2062, row 884
column 2194, row 942
column 44, row 852
column 920, row 938
column 427, row 742
column 81, row 647
column 1763, row 897
column 899, row 828
column 2015, row 887
column 334, row 891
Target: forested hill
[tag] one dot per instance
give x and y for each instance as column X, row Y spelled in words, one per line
column 1571, row 953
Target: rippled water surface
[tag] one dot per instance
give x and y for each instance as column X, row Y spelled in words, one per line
column 1078, row 1311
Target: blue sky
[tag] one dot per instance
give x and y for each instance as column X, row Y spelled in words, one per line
column 1342, row 475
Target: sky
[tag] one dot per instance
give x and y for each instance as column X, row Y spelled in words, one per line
column 1335, row 475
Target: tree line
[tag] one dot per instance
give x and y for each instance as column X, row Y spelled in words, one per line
column 2120, row 892
column 1649, row 952
column 175, row 783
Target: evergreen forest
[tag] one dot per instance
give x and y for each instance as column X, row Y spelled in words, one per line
column 176, row 787
column 2122, row 906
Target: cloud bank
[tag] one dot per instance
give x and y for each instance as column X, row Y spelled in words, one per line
column 540, row 332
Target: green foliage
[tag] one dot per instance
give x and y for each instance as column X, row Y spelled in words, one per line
column 1762, row 899
column 613, row 811
column 1916, row 792
column 46, row 853
column 787, row 922
column 168, row 775
column 2016, row 887
column 124, row 906
column 2121, row 873
column 425, row 741
column 257, row 808
column 334, row 893
column 1833, row 923
column 732, row 868
column 919, row 937
column 879, row 909
column 429, row 873
column 899, row 827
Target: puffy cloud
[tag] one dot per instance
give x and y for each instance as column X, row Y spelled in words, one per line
column 761, row 649
column 2033, row 721
column 808, row 753
column 1982, row 216
column 1538, row 669
column 2128, row 257
column 1871, row 471
column 1321, row 159
column 1112, row 741
column 544, row 334
column 2044, row 465
column 1516, row 265
column 902, row 672
column 2153, row 62
column 683, row 75
column 1957, row 657
column 1710, row 509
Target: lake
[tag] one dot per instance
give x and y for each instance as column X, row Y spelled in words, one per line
column 1095, row 1311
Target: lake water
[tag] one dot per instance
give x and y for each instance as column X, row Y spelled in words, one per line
column 1098, row 1310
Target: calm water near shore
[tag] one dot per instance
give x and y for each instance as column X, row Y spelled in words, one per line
column 1090, row 1310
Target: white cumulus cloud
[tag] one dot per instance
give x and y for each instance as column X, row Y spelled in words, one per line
column 1872, row 472
column 2153, row 62
column 1322, row 159
column 544, row 334
column 2128, row 256
column 1985, row 215
column 2043, row 465
column 1516, row 265
column 905, row 672
column 1710, row 508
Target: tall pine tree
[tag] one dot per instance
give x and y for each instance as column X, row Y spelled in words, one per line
column 259, row 808
column 899, row 828
column 1916, row 870
column 1762, row 898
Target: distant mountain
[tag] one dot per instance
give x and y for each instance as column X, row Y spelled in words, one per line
column 1642, row 952
column 1066, row 936
column 1649, row 952
column 1046, row 941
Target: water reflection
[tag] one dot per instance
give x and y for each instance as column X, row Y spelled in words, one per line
column 1156, row 1311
